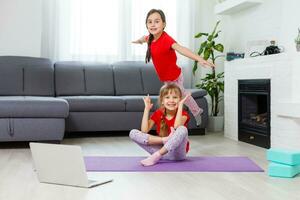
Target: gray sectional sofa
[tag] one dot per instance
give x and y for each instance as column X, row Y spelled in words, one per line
column 29, row 109
column 40, row 100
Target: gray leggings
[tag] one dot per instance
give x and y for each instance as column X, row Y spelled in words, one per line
column 176, row 145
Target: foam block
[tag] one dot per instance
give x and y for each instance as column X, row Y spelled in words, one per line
column 288, row 157
column 282, row 170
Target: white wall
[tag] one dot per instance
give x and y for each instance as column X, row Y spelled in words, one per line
column 206, row 23
column 290, row 24
column 272, row 20
column 20, row 27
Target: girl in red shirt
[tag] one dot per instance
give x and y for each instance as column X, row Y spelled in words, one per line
column 161, row 49
column 170, row 121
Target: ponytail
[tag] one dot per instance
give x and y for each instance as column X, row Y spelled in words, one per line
column 148, row 54
column 163, row 132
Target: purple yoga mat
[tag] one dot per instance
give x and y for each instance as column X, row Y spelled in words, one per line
column 191, row 164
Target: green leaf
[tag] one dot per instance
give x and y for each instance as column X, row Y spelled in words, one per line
column 201, row 34
column 202, row 46
column 213, row 82
column 210, row 37
column 217, row 34
column 215, row 27
column 219, row 47
column 222, row 87
column 195, row 67
column 220, row 75
column 206, row 53
column 210, row 44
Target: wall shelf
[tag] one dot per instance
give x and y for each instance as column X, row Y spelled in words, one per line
column 232, row 6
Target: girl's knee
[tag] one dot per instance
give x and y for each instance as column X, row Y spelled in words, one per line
column 132, row 133
column 182, row 130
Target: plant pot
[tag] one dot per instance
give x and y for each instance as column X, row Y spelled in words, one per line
column 215, row 123
column 298, row 47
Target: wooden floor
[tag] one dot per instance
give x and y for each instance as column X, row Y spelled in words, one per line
column 18, row 181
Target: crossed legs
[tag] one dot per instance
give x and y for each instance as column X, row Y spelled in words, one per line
column 172, row 147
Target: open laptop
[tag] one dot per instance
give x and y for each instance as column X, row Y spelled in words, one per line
column 61, row 164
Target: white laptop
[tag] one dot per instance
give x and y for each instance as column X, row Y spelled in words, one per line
column 61, row 164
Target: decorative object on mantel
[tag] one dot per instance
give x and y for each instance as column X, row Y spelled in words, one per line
column 231, row 56
column 233, row 6
column 272, row 49
column 255, row 45
column 213, row 83
column 297, row 40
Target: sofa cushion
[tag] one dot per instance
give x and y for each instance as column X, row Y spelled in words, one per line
column 83, row 78
column 33, row 107
column 151, row 83
column 136, row 103
column 26, row 76
column 95, row 103
column 128, row 79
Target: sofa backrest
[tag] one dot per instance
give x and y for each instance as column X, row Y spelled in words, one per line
column 135, row 78
column 120, row 78
column 26, row 76
column 83, row 78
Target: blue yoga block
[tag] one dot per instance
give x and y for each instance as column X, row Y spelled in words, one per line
column 282, row 170
column 288, row 157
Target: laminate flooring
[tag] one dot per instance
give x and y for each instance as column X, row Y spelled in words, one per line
column 19, row 181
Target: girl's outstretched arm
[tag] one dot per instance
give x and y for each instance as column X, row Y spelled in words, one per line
column 188, row 53
column 140, row 40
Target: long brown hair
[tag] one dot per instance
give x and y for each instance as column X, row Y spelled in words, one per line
column 165, row 90
column 151, row 37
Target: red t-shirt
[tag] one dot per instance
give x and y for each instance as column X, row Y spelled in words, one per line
column 158, row 115
column 164, row 58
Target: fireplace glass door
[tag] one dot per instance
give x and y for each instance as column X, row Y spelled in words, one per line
column 254, row 112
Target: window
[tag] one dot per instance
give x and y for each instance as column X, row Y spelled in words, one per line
column 99, row 30
column 94, row 27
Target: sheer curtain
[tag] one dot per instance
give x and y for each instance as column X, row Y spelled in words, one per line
column 100, row 30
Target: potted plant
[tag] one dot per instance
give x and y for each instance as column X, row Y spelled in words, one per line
column 297, row 40
column 213, row 82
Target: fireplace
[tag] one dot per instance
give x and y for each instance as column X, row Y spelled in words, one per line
column 254, row 112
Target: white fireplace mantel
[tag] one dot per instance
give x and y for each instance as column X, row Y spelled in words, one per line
column 284, row 72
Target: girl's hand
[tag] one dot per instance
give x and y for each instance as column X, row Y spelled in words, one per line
column 140, row 40
column 183, row 100
column 172, row 130
column 206, row 63
column 147, row 102
column 137, row 41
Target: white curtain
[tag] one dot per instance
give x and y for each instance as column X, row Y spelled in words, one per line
column 101, row 30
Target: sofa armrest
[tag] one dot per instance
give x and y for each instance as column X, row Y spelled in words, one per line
column 197, row 93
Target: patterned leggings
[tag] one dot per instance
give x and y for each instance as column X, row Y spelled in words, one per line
column 190, row 101
column 176, row 145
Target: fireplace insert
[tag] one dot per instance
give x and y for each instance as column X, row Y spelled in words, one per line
column 254, row 112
